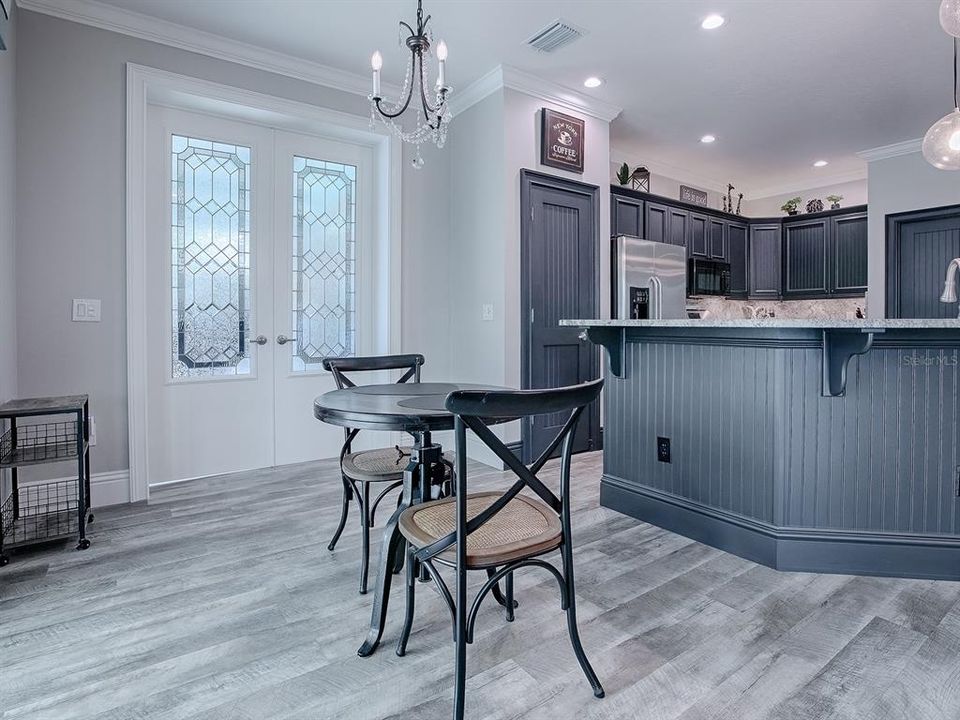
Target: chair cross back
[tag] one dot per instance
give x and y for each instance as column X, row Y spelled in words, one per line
column 411, row 363
column 340, row 365
column 473, row 407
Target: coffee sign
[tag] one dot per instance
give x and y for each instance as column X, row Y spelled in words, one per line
column 692, row 195
column 561, row 141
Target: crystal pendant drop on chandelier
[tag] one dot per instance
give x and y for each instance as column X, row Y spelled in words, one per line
column 941, row 144
column 430, row 113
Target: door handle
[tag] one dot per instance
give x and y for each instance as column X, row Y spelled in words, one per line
column 283, row 339
column 259, row 340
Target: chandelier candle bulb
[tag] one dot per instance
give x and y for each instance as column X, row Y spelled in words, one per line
column 376, row 62
column 442, row 57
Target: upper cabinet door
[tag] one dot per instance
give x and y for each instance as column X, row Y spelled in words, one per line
column 657, row 220
column 718, row 239
column 697, row 235
column 805, row 262
column 765, row 261
column 677, row 227
column 626, row 216
column 849, row 254
column 737, row 256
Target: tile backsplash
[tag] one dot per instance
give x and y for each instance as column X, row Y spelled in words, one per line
column 719, row 308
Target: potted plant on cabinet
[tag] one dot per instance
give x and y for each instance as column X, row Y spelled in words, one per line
column 791, row 205
column 834, row 201
column 623, row 174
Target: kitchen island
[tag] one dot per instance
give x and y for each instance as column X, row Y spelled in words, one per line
column 810, row 445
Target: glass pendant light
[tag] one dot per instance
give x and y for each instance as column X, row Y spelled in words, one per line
column 941, row 144
column 950, row 16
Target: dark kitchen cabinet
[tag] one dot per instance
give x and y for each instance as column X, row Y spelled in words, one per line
column 805, row 248
column 677, row 222
column 737, row 245
column 765, row 241
column 626, row 216
column 656, row 222
column 819, row 255
column 717, row 236
column 697, row 235
column 847, row 271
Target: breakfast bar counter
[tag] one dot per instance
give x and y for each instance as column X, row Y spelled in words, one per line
column 811, row 445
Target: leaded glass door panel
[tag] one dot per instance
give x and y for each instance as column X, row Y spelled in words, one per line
column 210, row 214
column 323, row 200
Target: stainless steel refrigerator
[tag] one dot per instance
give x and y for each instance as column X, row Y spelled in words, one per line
column 649, row 280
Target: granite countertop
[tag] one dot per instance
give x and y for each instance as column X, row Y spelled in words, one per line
column 773, row 323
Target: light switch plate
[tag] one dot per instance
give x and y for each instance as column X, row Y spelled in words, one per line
column 86, row 310
column 486, row 313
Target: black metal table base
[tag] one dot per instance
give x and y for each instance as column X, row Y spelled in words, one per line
column 419, row 477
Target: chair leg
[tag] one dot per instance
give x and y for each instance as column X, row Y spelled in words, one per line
column 498, row 594
column 344, row 507
column 511, row 603
column 411, row 599
column 572, row 623
column 365, row 536
column 460, row 637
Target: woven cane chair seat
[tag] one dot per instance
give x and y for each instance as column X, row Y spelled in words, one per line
column 376, row 465
column 381, row 465
column 524, row 528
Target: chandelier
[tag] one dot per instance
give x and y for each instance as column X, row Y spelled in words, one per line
column 941, row 144
column 431, row 120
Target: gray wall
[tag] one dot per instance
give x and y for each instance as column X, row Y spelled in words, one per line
column 854, row 193
column 896, row 185
column 8, row 318
column 70, row 216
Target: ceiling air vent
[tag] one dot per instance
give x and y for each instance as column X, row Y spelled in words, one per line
column 554, row 36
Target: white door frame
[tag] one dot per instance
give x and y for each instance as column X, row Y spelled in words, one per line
column 149, row 85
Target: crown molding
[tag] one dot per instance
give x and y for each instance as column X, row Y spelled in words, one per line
column 134, row 24
column 504, row 76
column 907, row 147
column 476, row 91
column 558, row 94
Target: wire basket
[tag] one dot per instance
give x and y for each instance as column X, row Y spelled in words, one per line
column 40, row 512
column 39, row 442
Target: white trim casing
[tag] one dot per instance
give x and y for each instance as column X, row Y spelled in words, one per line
column 145, row 84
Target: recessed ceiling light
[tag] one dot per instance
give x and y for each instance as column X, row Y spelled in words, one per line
column 712, row 22
column 820, row 163
column 592, row 82
column 708, row 139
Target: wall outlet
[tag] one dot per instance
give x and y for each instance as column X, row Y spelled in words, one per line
column 93, row 431
column 486, row 313
column 663, row 449
column 85, row 310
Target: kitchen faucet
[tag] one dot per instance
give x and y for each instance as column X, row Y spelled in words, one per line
column 950, row 286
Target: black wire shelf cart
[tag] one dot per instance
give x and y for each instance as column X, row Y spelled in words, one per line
column 38, row 431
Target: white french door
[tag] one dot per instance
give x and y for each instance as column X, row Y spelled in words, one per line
column 256, row 237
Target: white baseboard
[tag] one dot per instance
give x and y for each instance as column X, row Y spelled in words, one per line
column 108, row 488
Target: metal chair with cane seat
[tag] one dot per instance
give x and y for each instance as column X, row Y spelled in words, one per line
column 360, row 470
column 499, row 532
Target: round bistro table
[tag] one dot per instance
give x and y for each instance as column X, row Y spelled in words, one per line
column 414, row 408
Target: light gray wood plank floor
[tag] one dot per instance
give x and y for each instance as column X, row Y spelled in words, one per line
column 219, row 601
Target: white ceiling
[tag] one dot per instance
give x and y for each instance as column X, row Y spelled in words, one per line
column 782, row 84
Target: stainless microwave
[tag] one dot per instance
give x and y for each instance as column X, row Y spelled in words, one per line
column 707, row 277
